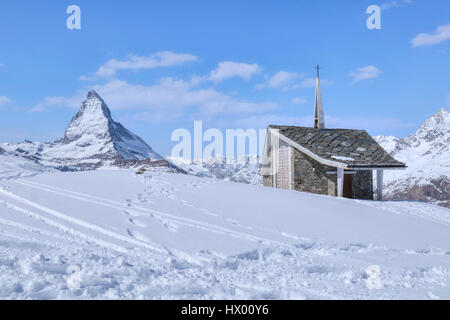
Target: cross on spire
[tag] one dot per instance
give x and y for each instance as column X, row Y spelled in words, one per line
column 318, row 69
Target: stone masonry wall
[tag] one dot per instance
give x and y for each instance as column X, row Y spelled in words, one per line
column 268, row 181
column 363, row 185
column 311, row 176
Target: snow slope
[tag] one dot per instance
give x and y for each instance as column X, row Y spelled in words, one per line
column 174, row 236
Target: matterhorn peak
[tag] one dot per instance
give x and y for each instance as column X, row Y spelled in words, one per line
column 92, row 119
column 93, row 138
column 93, row 94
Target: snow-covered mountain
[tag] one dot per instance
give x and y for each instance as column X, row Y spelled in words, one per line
column 92, row 140
column 243, row 169
column 427, row 155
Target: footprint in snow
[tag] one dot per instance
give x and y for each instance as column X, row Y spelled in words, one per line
column 130, row 214
column 137, row 223
column 137, row 235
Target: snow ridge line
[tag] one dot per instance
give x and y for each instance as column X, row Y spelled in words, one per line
column 176, row 219
column 63, row 227
column 82, row 223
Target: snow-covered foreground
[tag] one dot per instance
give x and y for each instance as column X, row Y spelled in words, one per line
column 172, row 236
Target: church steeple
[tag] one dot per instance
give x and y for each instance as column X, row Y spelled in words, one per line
column 319, row 120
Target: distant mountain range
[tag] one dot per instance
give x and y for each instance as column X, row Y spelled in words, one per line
column 243, row 169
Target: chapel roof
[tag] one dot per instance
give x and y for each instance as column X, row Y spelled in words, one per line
column 356, row 148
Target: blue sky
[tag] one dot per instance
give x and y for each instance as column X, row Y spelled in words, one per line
column 160, row 65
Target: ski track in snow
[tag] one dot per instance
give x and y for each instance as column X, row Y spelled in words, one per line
column 38, row 243
column 166, row 218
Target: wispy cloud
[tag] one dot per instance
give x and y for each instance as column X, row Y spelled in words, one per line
column 395, row 4
column 299, row 101
column 167, row 100
column 291, row 80
column 311, row 83
column 4, row 100
column 374, row 125
column 73, row 102
column 279, row 79
column 1, row 65
column 441, row 34
column 365, row 73
column 159, row 59
column 230, row 69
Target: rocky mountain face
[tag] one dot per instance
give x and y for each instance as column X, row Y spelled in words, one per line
column 427, row 155
column 92, row 140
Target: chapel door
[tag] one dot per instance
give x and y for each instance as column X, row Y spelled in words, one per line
column 348, row 186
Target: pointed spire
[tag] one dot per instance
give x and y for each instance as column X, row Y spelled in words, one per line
column 319, row 120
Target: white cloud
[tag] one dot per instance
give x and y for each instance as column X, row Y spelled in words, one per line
column 299, row 101
column 441, row 34
column 4, row 100
column 169, row 99
column 365, row 73
column 280, row 79
column 230, row 69
column 73, row 102
column 395, row 4
column 311, row 83
column 159, row 59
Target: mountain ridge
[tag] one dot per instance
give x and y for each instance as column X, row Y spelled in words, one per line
column 427, row 155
